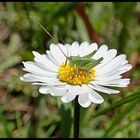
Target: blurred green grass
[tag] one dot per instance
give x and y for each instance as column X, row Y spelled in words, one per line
column 24, row 113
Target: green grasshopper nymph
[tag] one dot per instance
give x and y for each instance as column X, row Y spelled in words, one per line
column 85, row 63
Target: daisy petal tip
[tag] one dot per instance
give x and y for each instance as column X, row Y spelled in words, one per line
column 24, row 69
column 100, row 101
column 104, row 46
column 34, row 52
column 33, row 83
column 96, row 98
column 63, row 99
column 84, row 101
column 75, row 43
column 43, row 90
column 21, row 78
column 130, row 67
column 23, row 62
column 116, row 92
column 85, row 105
column 52, row 45
column 52, row 94
column 66, row 99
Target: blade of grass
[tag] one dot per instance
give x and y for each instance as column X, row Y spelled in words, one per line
column 118, row 118
column 118, row 104
column 127, row 125
column 19, row 122
column 8, row 134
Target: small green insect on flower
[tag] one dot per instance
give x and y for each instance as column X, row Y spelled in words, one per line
column 85, row 62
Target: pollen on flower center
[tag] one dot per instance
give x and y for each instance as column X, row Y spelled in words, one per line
column 68, row 74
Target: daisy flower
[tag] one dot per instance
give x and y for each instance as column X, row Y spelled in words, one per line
column 53, row 72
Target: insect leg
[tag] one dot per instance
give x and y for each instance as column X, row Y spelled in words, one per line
column 77, row 71
column 65, row 62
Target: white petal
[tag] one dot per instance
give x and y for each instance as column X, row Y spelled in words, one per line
column 59, row 91
column 44, row 89
column 85, row 88
column 115, row 85
column 119, row 70
column 45, row 61
column 124, row 62
column 112, row 65
column 84, row 44
column 38, row 69
column 74, row 50
column 107, row 78
column 125, row 81
column 21, row 78
column 125, row 68
column 77, row 89
column 121, row 83
column 100, row 52
column 39, row 83
column 113, row 82
column 57, row 53
column 83, row 100
column 94, row 46
column 67, row 49
column 95, row 97
column 71, row 93
column 104, row 89
column 85, row 48
column 26, row 78
column 34, row 78
column 68, row 97
column 107, row 57
column 49, row 55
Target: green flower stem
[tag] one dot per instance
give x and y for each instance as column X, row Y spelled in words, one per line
column 76, row 118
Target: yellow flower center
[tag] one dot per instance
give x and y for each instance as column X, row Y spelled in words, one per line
column 71, row 76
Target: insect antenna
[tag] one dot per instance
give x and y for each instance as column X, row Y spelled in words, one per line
column 62, row 51
column 42, row 27
column 48, row 33
column 67, row 50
